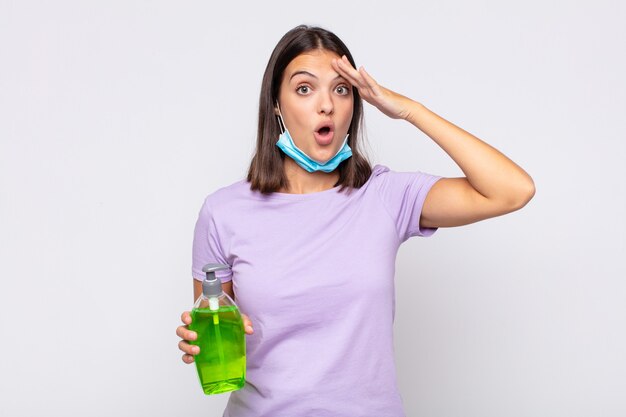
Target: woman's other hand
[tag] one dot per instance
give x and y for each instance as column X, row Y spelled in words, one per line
column 188, row 335
column 390, row 103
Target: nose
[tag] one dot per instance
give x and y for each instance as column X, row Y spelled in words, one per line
column 326, row 105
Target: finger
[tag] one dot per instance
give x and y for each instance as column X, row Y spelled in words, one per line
column 186, row 334
column 186, row 317
column 187, row 348
column 335, row 63
column 188, row 358
column 348, row 72
column 247, row 324
column 371, row 83
column 367, row 78
column 353, row 73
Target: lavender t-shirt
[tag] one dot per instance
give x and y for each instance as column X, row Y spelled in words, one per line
column 315, row 274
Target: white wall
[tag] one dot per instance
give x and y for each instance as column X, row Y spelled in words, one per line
column 117, row 118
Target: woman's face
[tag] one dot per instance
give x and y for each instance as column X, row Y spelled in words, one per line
column 316, row 104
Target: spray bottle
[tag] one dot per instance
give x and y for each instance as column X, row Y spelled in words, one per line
column 221, row 363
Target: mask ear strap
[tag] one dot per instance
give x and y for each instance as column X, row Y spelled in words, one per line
column 281, row 122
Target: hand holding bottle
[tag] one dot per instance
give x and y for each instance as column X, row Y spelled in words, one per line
column 187, row 335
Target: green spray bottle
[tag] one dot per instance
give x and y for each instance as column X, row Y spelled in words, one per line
column 221, row 363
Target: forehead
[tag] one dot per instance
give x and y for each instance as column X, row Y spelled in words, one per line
column 317, row 62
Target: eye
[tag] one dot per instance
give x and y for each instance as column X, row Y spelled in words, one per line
column 303, row 89
column 342, row 90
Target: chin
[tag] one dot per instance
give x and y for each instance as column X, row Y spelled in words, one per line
column 323, row 157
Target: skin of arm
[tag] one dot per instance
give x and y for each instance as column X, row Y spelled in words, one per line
column 493, row 184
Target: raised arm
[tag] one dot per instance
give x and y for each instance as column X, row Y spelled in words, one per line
column 493, row 184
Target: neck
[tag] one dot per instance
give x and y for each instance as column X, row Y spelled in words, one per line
column 303, row 182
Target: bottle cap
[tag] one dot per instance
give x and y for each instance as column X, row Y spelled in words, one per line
column 211, row 286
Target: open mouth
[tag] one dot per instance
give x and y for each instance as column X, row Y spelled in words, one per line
column 324, row 135
column 324, row 131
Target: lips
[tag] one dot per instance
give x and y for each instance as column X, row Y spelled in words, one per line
column 324, row 133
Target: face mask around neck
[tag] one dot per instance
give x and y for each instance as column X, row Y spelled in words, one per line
column 289, row 148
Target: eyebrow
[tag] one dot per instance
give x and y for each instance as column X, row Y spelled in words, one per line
column 303, row 72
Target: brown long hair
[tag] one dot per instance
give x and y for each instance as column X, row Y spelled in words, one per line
column 266, row 173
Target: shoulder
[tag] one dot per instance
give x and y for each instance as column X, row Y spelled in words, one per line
column 382, row 176
column 233, row 190
column 400, row 184
column 382, row 173
column 227, row 196
column 379, row 172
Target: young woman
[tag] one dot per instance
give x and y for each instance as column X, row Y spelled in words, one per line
column 312, row 235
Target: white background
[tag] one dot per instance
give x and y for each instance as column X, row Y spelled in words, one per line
column 117, row 118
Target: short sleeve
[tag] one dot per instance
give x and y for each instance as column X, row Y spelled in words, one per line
column 207, row 246
column 403, row 195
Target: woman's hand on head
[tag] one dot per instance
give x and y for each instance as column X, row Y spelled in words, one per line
column 188, row 335
column 390, row 103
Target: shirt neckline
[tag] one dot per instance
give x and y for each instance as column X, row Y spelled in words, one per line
column 306, row 196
